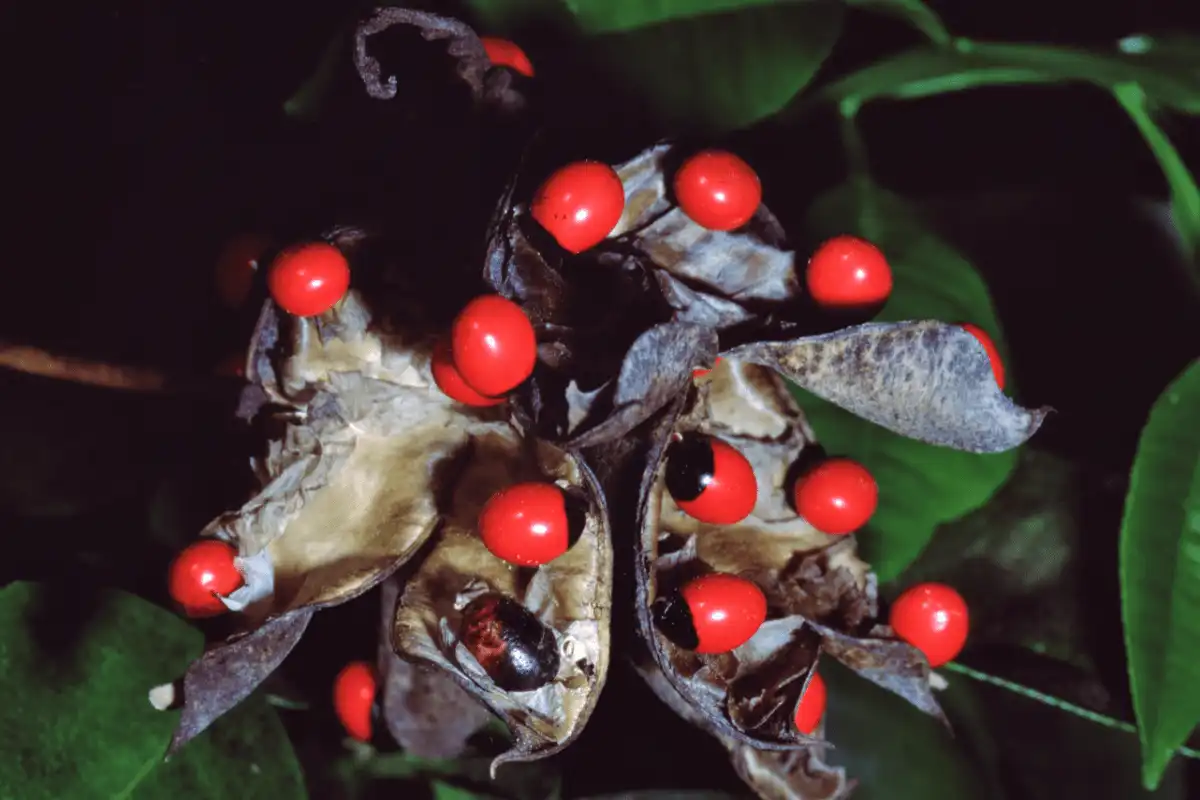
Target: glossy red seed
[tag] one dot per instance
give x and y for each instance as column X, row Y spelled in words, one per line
column 990, row 347
column 811, row 707
column 527, row 524
column 200, row 572
column 933, row 618
column 353, row 696
column 710, row 480
column 236, row 266
column 493, row 344
column 718, row 190
column 309, row 279
column 504, row 53
column 448, row 379
column 726, row 611
column 837, row 497
column 848, row 271
column 580, row 204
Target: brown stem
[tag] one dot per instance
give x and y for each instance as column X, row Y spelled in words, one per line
column 34, row 361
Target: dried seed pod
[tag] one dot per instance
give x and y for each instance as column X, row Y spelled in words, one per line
column 533, row 645
column 425, row 710
column 361, row 444
column 820, row 595
column 368, row 465
column 772, row 774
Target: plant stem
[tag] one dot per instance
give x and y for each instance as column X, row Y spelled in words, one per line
column 35, row 361
column 852, row 141
column 1054, row 702
column 1185, row 196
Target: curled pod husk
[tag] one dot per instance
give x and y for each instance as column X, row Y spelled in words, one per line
column 360, row 446
column 495, row 87
column 426, row 711
column 772, row 774
column 741, row 289
column 820, row 595
column 530, row 643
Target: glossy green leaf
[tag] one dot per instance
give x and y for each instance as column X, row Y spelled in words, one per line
column 925, row 71
column 1040, row 747
column 921, row 486
column 307, row 101
column 1160, row 574
column 707, row 64
column 725, row 70
column 914, row 12
column 506, row 16
column 446, row 791
column 1185, row 195
column 891, row 748
column 76, row 721
column 607, row 16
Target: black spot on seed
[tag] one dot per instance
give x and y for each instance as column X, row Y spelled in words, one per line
column 690, row 466
column 673, row 617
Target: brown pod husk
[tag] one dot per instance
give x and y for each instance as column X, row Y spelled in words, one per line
column 361, row 444
column 821, row 597
column 496, row 87
column 426, row 711
column 772, row 774
column 570, row 596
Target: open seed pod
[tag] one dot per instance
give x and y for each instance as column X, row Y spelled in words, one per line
column 532, row 644
column 369, row 468
column 360, row 446
column 820, row 596
column 661, row 275
column 426, row 711
column 772, row 774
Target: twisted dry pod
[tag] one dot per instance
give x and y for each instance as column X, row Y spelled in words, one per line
column 368, row 467
column 820, row 596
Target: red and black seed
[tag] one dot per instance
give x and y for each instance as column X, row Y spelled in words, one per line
column 690, row 466
column 514, row 648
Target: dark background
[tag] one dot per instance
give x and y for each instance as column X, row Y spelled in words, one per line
column 141, row 136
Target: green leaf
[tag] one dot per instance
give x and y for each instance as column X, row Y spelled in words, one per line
column 446, row 791
column 507, row 16
column 723, row 71
column 607, row 16
column 708, row 64
column 1160, row 574
column 76, row 721
column 925, row 71
column 914, row 12
column 307, row 101
column 1043, row 747
column 1185, row 196
column 893, row 749
column 921, row 486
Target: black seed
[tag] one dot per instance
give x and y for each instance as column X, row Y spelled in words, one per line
column 514, row 648
column 674, row 618
column 576, row 507
column 812, row 456
column 690, row 466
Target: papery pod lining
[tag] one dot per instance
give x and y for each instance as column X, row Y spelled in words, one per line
column 571, row 595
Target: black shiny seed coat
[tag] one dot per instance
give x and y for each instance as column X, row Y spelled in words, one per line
column 514, row 648
column 673, row 617
column 690, row 466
